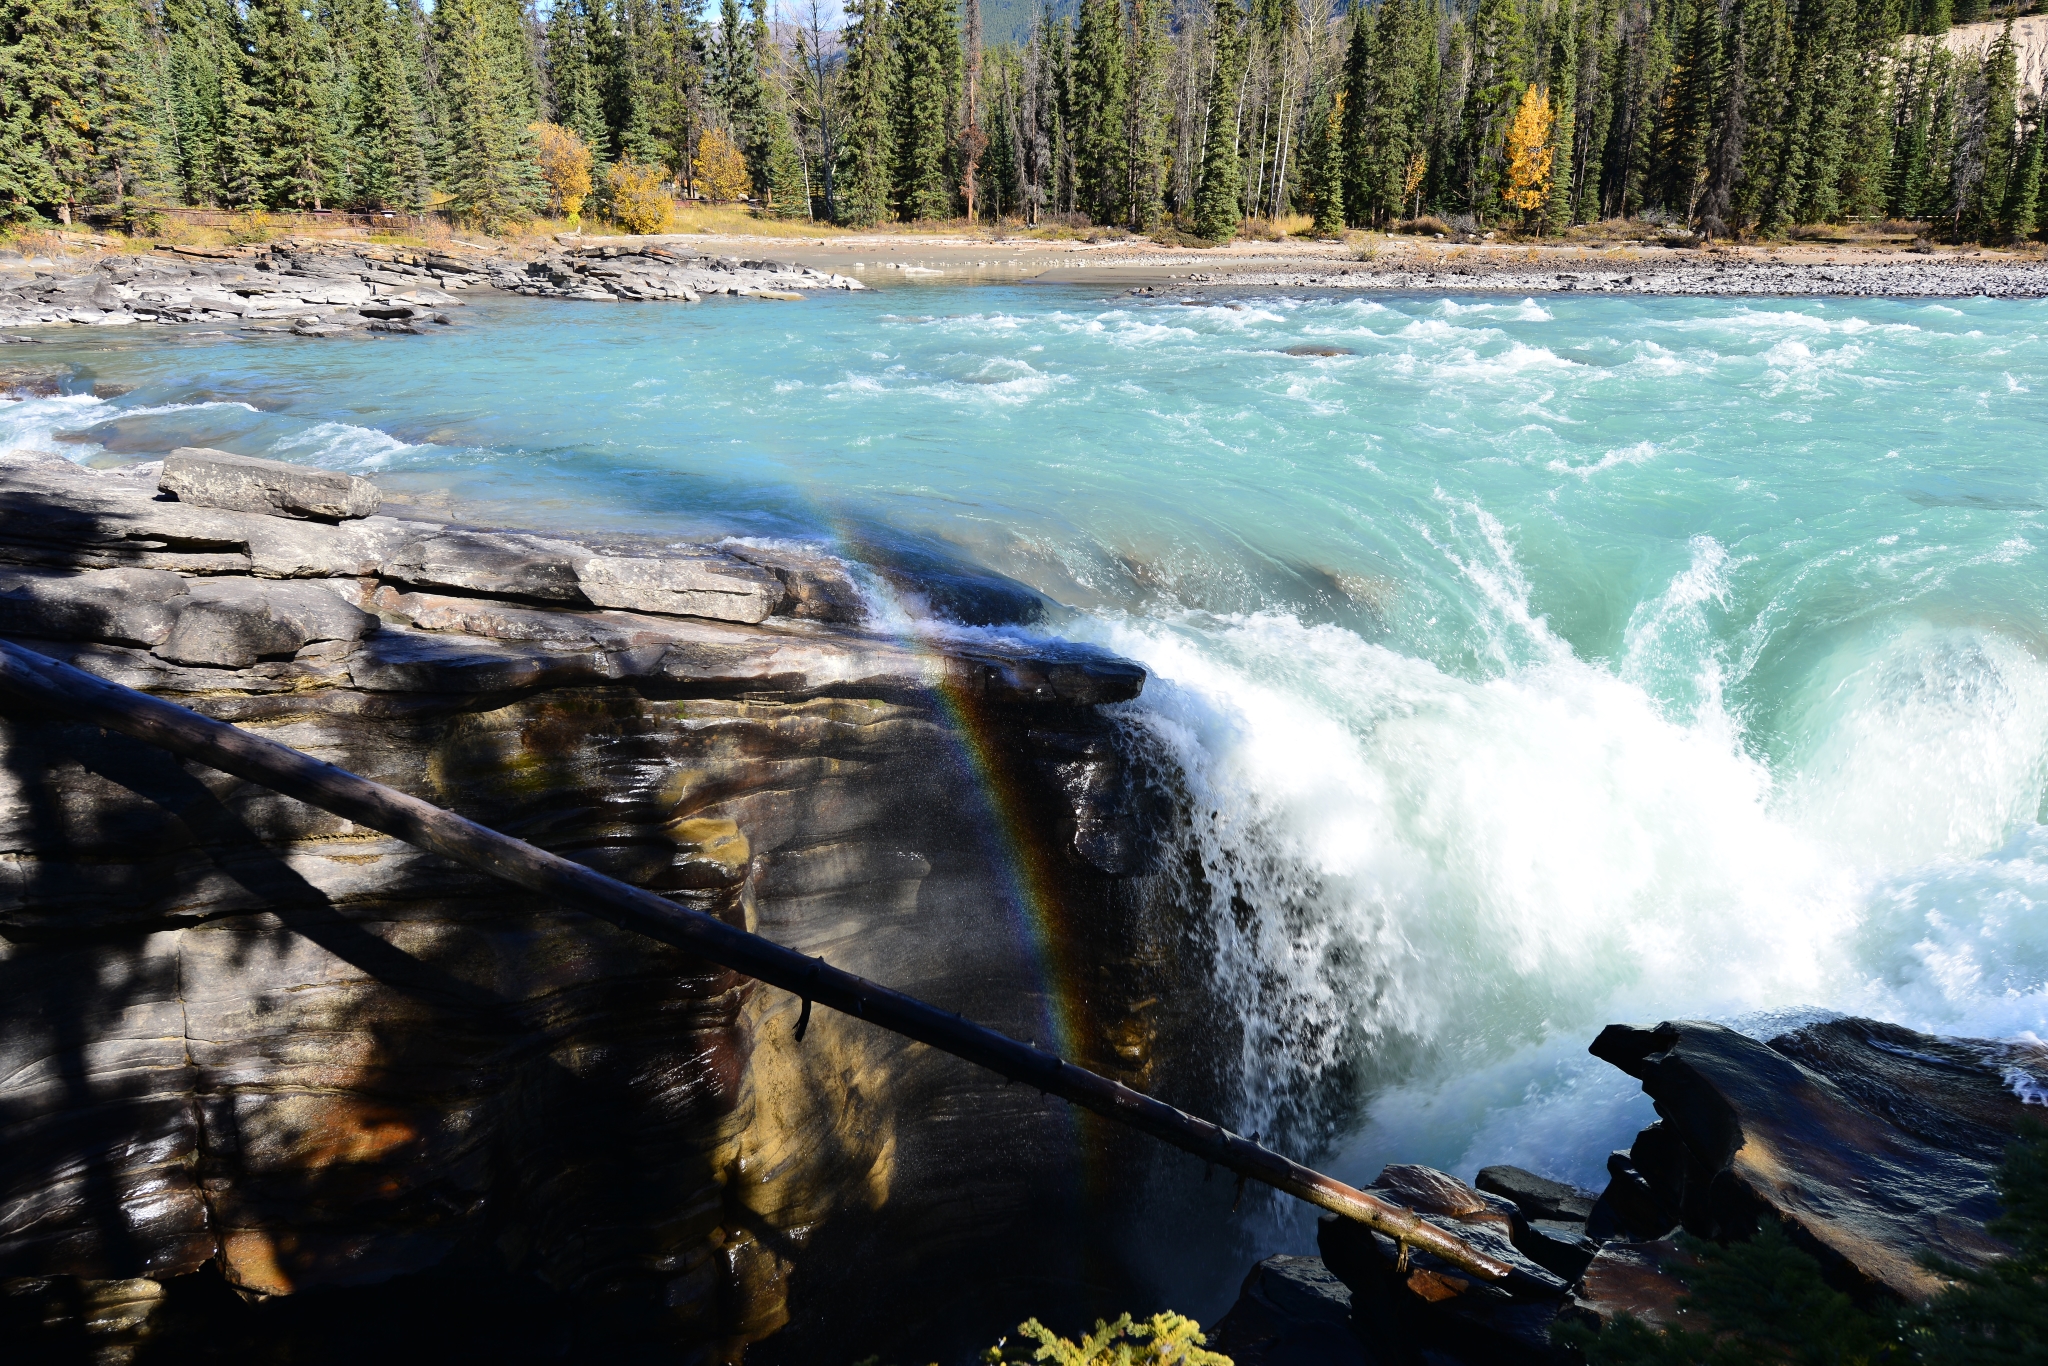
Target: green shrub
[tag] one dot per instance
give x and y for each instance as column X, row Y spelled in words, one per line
column 1167, row 1340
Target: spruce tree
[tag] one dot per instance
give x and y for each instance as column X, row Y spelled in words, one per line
column 574, row 100
column 492, row 181
column 68, row 99
column 1499, row 74
column 1219, row 201
column 867, row 157
column 1998, row 149
column 1323, row 160
column 1101, row 93
column 1685, row 134
column 289, row 80
column 1564, row 86
column 1355, row 142
column 2023, row 190
column 392, row 152
column 1151, row 47
column 734, row 80
column 928, row 66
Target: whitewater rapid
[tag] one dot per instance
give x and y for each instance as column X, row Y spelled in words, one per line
column 1527, row 665
column 1456, row 882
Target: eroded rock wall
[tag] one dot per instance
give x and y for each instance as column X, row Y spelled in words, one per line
column 241, row 1039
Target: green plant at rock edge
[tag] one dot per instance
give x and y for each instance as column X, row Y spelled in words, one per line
column 1997, row 1315
column 1166, row 1339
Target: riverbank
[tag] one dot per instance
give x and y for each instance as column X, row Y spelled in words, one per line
column 318, row 288
column 335, row 285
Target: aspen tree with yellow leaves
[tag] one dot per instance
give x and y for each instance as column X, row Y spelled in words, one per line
column 721, row 167
column 1529, row 152
column 565, row 165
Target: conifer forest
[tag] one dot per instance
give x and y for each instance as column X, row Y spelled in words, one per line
column 1728, row 117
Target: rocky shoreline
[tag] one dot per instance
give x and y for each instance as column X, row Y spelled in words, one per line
column 319, row 289
column 1692, row 273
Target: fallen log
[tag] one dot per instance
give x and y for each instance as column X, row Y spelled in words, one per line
column 72, row 693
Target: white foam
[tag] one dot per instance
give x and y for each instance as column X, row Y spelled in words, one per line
column 1641, row 453
column 343, row 445
column 1439, row 888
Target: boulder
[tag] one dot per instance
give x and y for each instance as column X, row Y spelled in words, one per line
column 505, row 565
column 1870, row 1144
column 232, row 623
column 1538, row 1197
column 1291, row 1312
column 1638, row 1279
column 122, row 606
column 1421, row 1308
column 698, row 586
column 243, row 483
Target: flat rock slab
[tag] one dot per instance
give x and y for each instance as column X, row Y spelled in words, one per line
column 710, row 586
column 242, row 483
column 1538, row 1197
column 1870, row 1144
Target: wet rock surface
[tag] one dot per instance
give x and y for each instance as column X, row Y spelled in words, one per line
column 252, row 1056
column 1868, row 1144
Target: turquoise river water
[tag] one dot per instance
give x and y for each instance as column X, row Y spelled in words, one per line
column 1533, row 664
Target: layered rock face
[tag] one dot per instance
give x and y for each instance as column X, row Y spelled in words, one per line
column 267, row 1074
column 658, row 268
column 313, row 290
column 318, row 289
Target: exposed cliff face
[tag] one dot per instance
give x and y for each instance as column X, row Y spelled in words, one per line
column 242, row 1039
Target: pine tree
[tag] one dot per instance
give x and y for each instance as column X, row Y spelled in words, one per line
column 1101, row 92
column 1219, row 202
column 387, row 131
column 867, row 155
column 488, row 172
column 1499, row 69
column 575, row 101
column 927, row 98
column 1323, row 156
column 66, row 94
column 289, row 80
column 1356, row 144
column 1151, row 45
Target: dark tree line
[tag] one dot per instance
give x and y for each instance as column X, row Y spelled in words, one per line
column 1726, row 116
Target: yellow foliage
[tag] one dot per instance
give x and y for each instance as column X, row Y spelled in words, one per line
column 564, row 165
column 721, row 170
column 1167, row 1340
column 1529, row 152
column 1411, row 180
column 639, row 200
